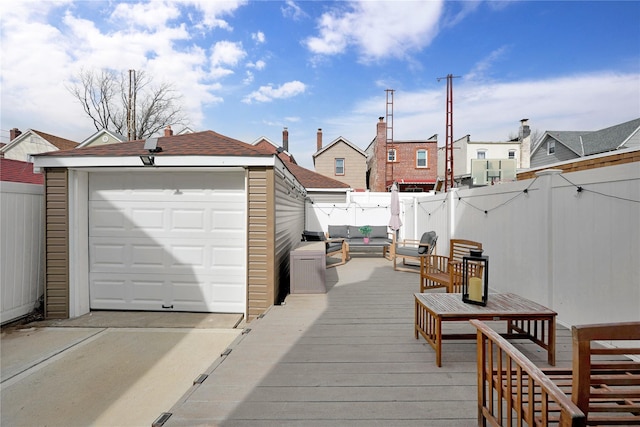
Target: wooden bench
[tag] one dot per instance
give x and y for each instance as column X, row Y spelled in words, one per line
column 438, row 271
column 601, row 388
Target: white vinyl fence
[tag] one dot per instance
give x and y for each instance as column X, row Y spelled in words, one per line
column 568, row 241
column 21, row 248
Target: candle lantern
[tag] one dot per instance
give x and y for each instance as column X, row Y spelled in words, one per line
column 475, row 278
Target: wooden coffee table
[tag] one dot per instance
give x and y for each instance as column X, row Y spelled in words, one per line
column 525, row 319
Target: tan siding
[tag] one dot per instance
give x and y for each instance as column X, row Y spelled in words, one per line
column 260, row 277
column 56, row 245
column 276, row 219
column 355, row 165
column 586, row 163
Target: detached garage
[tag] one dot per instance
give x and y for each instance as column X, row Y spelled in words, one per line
column 206, row 227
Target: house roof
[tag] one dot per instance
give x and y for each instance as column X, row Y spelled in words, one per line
column 101, row 132
column 207, row 143
column 337, row 141
column 197, row 149
column 18, row 171
column 56, row 141
column 310, row 179
column 586, row 143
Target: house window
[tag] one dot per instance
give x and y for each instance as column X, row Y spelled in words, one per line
column 482, row 154
column 421, row 158
column 391, row 155
column 339, row 166
column 551, row 147
column 512, row 154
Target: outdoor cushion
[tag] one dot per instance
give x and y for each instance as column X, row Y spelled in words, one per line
column 354, row 232
column 313, row 236
column 428, row 238
column 337, row 231
column 334, row 246
column 379, row 231
column 407, row 250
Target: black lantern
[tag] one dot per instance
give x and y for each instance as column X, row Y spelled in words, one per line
column 475, row 278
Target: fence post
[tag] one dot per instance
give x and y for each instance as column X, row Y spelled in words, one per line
column 546, row 187
column 451, row 214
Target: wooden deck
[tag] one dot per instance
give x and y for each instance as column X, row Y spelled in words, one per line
column 348, row 358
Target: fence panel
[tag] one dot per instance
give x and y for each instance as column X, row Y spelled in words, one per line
column 21, row 251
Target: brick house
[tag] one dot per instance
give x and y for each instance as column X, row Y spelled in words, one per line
column 413, row 164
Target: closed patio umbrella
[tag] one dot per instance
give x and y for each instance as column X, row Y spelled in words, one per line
column 394, row 222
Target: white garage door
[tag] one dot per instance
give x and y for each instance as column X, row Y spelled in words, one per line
column 167, row 241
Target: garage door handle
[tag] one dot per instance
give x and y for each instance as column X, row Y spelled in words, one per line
column 167, row 306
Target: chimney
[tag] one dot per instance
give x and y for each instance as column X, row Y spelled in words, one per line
column 525, row 130
column 524, row 137
column 285, row 139
column 319, row 140
column 14, row 133
column 381, row 131
column 168, row 131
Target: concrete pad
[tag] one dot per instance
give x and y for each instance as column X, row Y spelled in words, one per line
column 23, row 349
column 109, row 377
column 148, row 319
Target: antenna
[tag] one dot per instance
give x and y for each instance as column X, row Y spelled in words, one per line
column 448, row 163
column 388, row 170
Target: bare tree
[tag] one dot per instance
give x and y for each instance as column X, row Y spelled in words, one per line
column 128, row 104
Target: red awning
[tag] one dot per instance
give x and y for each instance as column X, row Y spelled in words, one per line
column 416, row 181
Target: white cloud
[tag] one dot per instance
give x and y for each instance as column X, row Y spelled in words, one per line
column 269, row 93
column 481, row 70
column 249, row 78
column 152, row 15
column 227, row 53
column 212, row 11
column 258, row 65
column 377, row 29
column 293, row 11
column 258, row 37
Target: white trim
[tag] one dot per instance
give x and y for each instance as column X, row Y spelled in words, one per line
column 160, row 161
column 78, row 243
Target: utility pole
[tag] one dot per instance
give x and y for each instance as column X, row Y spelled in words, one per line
column 131, row 107
column 388, row 178
column 448, row 165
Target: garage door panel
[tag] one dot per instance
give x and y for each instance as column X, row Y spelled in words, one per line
column 146, row 219
column 163, row 240
column 108, row 255
column 227, row 257
column 106, row 219
column 188, row 220
column 228, row 220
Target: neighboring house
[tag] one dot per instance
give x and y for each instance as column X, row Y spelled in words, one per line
column 341, row 160
column 412, row 164
column 22, row 145
column 561, row 146
column 103, row 136
column 206, row 224
column 483, row 163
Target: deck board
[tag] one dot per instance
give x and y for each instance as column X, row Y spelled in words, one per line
column 348, row 358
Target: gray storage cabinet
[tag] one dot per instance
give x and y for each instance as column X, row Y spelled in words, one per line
column 307, row 268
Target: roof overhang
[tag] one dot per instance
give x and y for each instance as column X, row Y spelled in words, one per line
column 160, row 161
